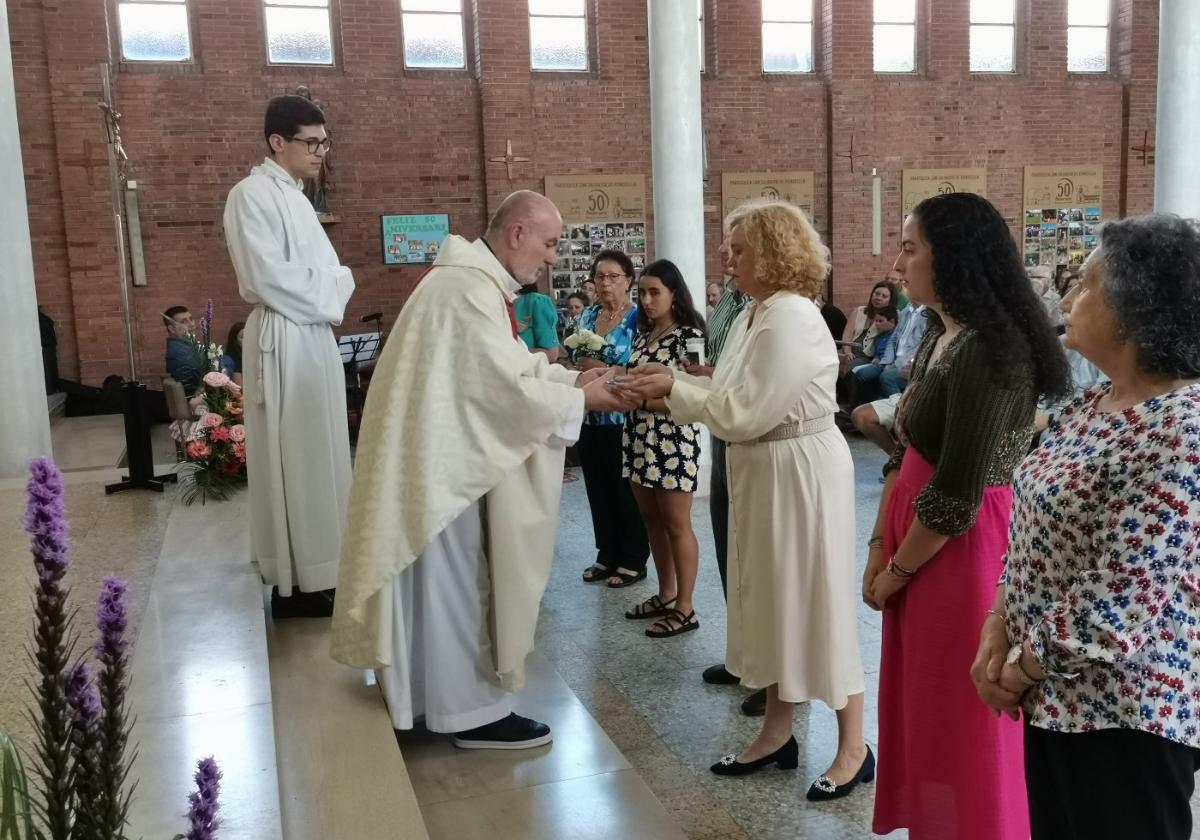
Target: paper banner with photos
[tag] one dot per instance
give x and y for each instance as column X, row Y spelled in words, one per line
column 1063, row 207
column 600, row 212
column 413, row 239
column 738, row 188
column 920, row 184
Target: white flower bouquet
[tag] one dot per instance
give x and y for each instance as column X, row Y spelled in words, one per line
column 585, row 343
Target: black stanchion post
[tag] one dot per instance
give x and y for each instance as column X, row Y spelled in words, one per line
column 139, row 455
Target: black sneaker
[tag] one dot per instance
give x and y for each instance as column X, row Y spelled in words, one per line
column 511, row 733
column 717, row 675
column 302, row 604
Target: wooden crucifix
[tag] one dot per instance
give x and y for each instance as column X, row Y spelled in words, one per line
column 851, row 154
column 1146, row 148
column 509, row 159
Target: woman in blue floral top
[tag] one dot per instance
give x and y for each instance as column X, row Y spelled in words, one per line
column 622, row 547
column 1095, row 631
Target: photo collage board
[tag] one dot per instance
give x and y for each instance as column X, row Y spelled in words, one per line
column 599, row 212
column 1062, row 215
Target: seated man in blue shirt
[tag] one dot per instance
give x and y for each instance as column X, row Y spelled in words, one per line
column 182, row 363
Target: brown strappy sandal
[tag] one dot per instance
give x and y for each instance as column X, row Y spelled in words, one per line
column 682, row 624
column 652, row 607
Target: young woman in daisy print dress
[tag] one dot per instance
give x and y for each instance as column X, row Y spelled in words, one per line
column 661, row 458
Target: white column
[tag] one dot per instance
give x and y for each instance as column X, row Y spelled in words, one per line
column 677, row 139
column 677, row 153
column 1176, row 162
column 23, row 413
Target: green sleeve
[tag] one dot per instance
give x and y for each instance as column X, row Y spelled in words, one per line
column 545, row 324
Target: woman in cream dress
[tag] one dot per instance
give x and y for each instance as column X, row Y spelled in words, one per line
column 792, row 579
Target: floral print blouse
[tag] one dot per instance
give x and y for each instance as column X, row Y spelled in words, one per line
column 618, row 347
column 1101, row 567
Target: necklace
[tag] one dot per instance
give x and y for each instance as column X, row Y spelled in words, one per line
column 605, row 322
column 657, row 334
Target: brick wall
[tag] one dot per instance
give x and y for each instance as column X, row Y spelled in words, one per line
column 419, row 141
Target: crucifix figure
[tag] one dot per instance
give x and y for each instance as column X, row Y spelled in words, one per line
column 87, row 161
column 1147, row 149
column 508, row 160
column 850, row 154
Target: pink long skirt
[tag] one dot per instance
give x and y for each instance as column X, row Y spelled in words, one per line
column 948, row 768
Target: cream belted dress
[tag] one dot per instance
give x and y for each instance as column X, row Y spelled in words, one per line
column 792, row 576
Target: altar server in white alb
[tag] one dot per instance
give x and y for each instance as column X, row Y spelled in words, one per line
column 297, row 444
column 456, row 489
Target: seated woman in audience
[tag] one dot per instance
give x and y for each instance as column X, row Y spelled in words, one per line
column 661, row 457
column 858, row 346
column 792, row 628
column 948, row 770
column 231, row 361
column 537, row 321
column 621, row 544
column 568, row 325
column 1093, row 630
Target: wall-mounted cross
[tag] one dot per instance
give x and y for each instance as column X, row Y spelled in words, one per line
column 850, row 154
column 86, row 160
column 509, row 159
column 1147, row 149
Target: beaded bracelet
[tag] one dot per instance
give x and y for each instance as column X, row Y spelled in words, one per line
column 899, row 571
column 875, row 542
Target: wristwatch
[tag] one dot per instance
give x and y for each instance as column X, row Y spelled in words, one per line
column 1014, row 658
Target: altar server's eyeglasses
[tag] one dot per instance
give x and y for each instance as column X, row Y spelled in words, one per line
column 314, row 143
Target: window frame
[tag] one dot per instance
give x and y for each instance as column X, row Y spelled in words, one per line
column 812, row 37
column 1108, row 45
column 468, row 33
column 1018, row 41
column 918, row 25
column 191, row 64
column 589, row 46
column 335, row 37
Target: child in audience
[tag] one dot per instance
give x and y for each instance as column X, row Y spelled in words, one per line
column 885, row 326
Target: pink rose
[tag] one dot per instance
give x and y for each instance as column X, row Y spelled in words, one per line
column 233, row 388
column 239, row 451
column 235, row 409
column 210, row 420
column 220, row 433
column 237, row 433
column 216, row 379
column 198, row 449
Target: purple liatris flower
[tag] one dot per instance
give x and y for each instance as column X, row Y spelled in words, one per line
column 202, row 810
column 112, row 804
column 46, row 520
column 112, row 617
column 84, row 698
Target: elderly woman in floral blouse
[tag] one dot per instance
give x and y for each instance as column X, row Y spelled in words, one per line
column 1095, row 630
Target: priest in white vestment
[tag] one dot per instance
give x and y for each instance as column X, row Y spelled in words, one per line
column 297, row 442
column 456, row 489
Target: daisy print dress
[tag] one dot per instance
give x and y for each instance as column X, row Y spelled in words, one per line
column 655, row 452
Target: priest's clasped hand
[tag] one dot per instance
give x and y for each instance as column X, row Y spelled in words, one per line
column 591, row 375
column 598, row 396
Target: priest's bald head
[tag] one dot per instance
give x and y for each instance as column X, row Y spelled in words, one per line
column 524, row 235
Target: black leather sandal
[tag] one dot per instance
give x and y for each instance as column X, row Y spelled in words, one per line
column 596, row 573
column 652, row 607
column 663, row 628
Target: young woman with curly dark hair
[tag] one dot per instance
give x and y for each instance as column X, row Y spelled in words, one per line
column 948, row 768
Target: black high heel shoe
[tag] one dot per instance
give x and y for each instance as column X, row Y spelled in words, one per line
column 824, row 788
column 787, row 757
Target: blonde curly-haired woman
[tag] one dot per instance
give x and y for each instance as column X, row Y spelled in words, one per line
column 792, row 581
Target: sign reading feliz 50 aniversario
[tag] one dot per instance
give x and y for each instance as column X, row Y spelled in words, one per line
column 920, row 184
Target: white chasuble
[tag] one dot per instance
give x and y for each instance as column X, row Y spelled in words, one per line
column 459, row 412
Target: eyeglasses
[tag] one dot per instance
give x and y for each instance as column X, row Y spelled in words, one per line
column 610, row 278
column 313, row 143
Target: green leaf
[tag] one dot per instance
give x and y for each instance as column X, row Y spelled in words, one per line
column 16, row 819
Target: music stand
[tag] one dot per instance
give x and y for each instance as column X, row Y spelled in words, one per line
column 362, row 347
